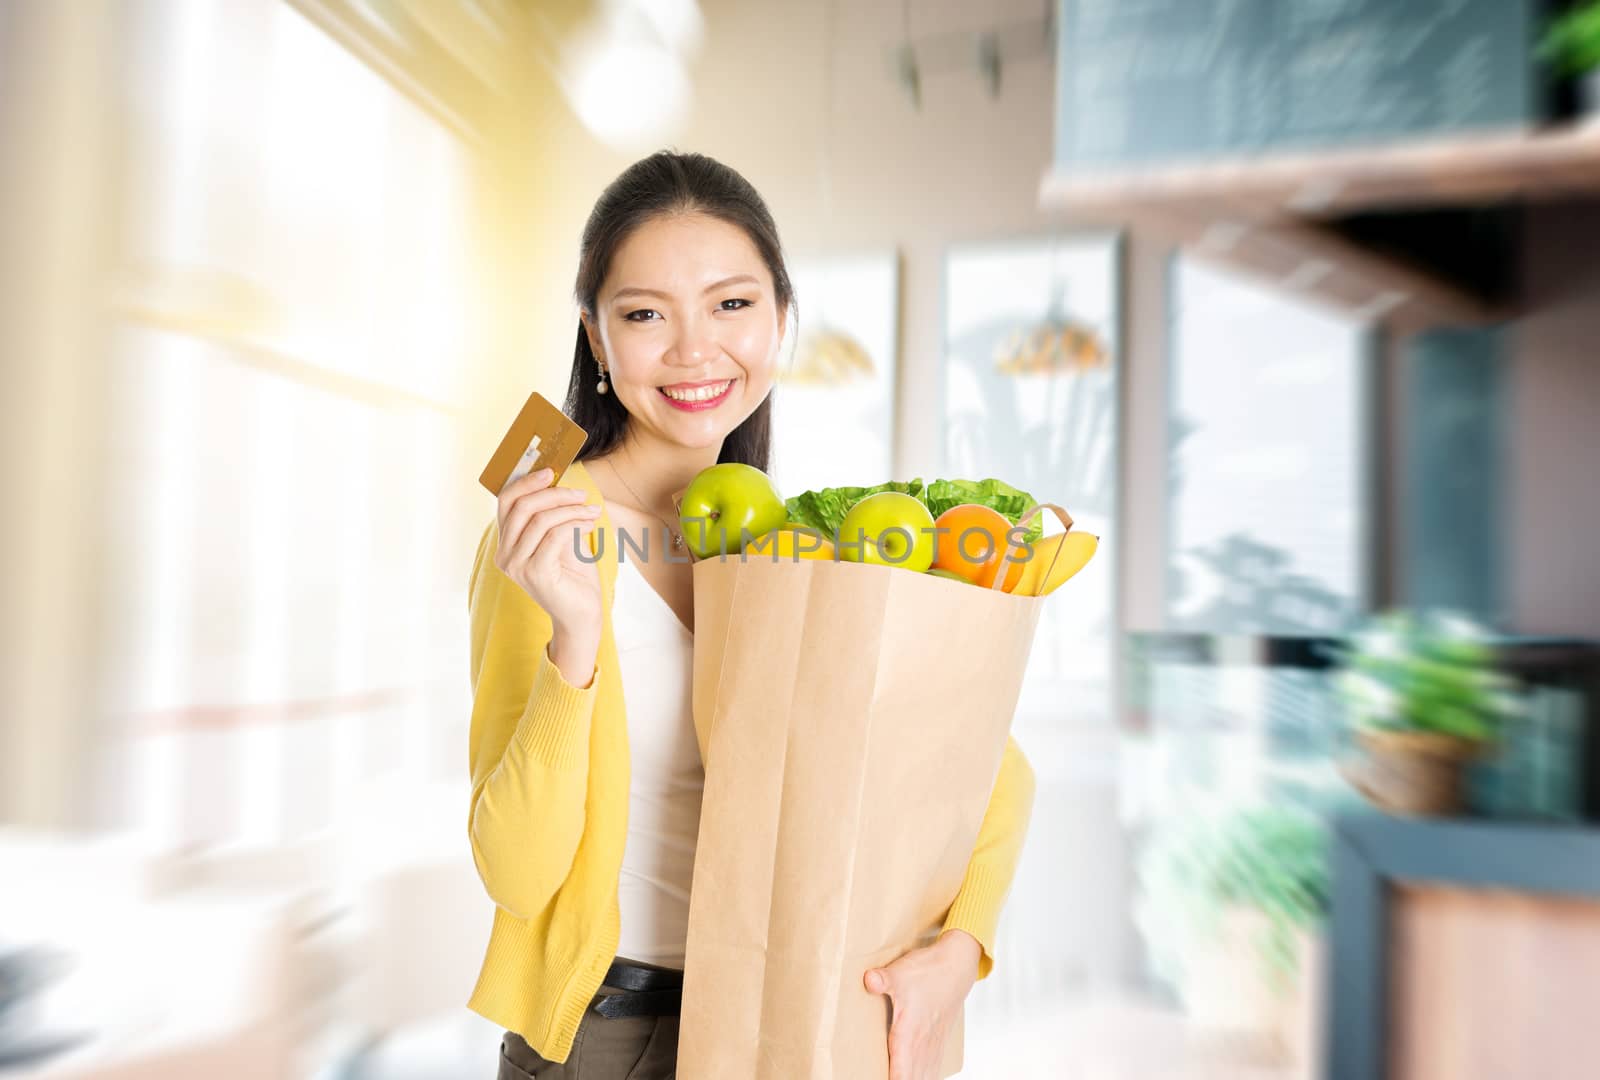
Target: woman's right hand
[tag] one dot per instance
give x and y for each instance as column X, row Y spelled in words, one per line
column 541, row 528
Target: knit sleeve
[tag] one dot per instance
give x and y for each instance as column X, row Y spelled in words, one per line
column 528, row 744
column 976, row 908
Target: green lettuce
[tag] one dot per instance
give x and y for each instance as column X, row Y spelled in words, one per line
column 825, row 508
column 941, row 495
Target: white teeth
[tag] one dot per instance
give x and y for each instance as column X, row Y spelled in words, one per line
column 699, row 393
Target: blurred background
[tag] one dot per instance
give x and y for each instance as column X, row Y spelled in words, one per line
column 1294, row 302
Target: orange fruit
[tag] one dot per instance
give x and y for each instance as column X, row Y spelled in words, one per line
column 972, row 543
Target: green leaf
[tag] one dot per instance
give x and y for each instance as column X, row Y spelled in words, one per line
column 1431, row 673
column 825, row 508
column 1271, row 858
column 995, row 494
column 1572, row 42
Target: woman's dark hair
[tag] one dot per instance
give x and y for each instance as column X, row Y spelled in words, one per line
column 667, row 183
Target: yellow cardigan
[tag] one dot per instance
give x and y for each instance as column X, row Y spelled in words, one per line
column 549, row 811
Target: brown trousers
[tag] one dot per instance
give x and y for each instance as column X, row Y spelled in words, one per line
column 605, row 1048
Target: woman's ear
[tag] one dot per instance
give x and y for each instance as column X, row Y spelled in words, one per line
column 592, row 331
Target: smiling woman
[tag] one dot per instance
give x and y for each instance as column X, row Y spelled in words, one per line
column 587, row 776
column 677, row 337
column 683, row 296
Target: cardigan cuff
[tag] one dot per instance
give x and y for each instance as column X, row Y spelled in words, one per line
column 977, row 911
column 554, row 728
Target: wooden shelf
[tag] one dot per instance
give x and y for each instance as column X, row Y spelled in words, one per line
column 1558, row 163
column 1279, row 215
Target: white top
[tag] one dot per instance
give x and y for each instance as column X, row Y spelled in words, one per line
column 655, row 656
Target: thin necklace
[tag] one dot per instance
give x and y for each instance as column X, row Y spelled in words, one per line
column 677, row 538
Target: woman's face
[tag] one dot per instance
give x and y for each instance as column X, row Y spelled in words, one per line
column 688, row 328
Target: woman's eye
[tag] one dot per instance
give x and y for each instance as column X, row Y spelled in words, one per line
column 735, row 304
column 642, row 315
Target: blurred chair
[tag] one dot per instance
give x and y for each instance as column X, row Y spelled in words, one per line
column 167, row 980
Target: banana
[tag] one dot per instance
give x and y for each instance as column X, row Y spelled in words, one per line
column 1075, row 551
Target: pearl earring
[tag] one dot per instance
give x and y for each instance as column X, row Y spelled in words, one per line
column 601, row 387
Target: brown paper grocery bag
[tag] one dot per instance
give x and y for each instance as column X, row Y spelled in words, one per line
column 852, row 720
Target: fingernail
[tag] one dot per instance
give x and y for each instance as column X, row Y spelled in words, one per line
column 544, row 474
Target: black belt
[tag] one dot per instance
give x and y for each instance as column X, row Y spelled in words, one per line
column 643, row 991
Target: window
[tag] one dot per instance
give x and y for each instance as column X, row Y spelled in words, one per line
column 833, row 407
column 1051, row 428
column 288, row 380
column 1032, row 360
column 1267, row 498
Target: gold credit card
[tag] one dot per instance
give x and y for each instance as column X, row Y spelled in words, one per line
column 540, row 438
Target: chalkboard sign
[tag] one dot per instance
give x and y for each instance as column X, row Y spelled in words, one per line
column 1146, row 81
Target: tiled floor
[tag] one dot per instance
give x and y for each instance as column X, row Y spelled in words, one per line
column 1103, row 1041
column 1120, row 1041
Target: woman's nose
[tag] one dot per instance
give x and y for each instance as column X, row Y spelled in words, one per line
column 696, row 344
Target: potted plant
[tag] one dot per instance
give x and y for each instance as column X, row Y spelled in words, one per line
column 1572, row 44
column 1425, row 702
column 1232, row 910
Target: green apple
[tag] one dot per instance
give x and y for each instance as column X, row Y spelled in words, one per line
column 890, row 528
column 722, row 501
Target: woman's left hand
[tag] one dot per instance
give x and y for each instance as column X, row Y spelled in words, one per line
column 926, row 988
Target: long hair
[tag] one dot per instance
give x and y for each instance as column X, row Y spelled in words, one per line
column 667, row 183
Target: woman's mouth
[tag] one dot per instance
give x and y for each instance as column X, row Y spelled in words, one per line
column 693, row 397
